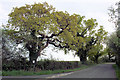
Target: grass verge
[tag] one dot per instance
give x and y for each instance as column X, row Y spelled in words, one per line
column 29, row 73
column 117, row 70
column 0, row 73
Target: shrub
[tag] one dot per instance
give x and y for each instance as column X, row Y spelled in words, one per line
column 41, row 65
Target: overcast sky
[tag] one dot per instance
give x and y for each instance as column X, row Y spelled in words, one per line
column 97, row 9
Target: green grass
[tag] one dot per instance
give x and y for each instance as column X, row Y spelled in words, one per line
column 117, row 70
column 0, row 73
column 29, row 73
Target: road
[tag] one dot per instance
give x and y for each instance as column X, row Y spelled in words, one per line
column 103, row 71
column 99, row 71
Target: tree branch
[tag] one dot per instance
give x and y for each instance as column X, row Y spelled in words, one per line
column 59, row 32
column 82, row 34
column 42, row 48
column 59, row 45
column 44, row 36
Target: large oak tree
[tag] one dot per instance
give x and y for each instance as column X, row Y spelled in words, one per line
column 38, row 25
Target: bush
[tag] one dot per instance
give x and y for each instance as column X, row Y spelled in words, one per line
column 55, row 65
column 41, row 65
column 117, row 70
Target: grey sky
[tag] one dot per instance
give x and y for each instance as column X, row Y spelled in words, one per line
column 96, row 9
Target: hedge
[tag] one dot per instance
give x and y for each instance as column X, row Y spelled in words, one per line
column 41, row 65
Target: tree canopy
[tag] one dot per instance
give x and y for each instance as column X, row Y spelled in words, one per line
column 114, row 39
column 88, row 36
column 38, row 25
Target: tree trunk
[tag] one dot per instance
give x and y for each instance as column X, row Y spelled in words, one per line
column 96, row 59
column 83, row 58
column 33, row 59
column 118, row 59
column 109, row 56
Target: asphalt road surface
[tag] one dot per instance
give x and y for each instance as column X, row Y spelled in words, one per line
column 101, row 71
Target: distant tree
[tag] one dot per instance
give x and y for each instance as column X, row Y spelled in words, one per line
column 114, row 17
column 87, row 37
column 10, row 49
column 113, row 44
column 110, row 53
column 95, row 53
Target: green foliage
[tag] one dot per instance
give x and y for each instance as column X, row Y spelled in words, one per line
column 88, row 36
column 96, row 52
column 44, row 72
column 114, row 39
column 38, row 25
column 117, row 70
column 113, row 14
column 10, row 49
column 113, row 44
column 41, row 65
